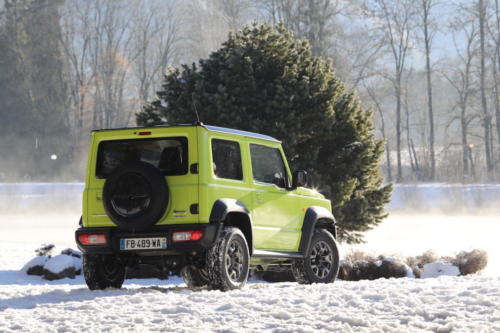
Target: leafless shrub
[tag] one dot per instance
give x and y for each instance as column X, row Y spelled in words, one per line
column 357, row 255
column 345, row 270
column 467, row 262
column 45, row 250
column 471, row 262
column 364, row 270
column 427, row 258
column 417, row 263
column 359, row 265
column 372, row 269
column 413, row 263
column 392, row 269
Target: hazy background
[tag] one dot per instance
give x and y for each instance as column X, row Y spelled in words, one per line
column 70, row 66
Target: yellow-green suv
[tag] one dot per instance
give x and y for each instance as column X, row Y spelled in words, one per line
column 207, row 201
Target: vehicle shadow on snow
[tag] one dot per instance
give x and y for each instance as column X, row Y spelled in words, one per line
column 60, row 291
column 17, row 277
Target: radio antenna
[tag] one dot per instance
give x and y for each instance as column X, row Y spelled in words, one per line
column 196, row 111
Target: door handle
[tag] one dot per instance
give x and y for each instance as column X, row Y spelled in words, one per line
column 259, row 197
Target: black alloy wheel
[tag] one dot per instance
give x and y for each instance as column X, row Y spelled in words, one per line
column 321, row 263
column 235, row 260
column 228, row 261
column 321, row 258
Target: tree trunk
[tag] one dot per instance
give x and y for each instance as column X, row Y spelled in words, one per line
column 465, row 148
column 408, row 137
column 426, row 7
column 497, row 74
column 388, row 161
column 399, row 174
column 415, row 158
column 484, row 105
column 387, row 150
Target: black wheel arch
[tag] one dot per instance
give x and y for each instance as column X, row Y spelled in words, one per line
column 316, row 217
column 234, row 213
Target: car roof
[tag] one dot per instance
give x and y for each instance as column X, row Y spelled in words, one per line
column 239, row 132
column 207, row 127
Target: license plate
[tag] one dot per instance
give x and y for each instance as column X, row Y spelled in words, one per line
column 152, row 243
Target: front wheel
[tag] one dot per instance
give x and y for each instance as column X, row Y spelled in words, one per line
column 228, row 261
column 103, row 271
column 321, row 264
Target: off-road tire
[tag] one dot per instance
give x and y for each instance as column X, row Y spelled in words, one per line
column 228, row 261
column 324, row 266
column 194, row 277
column 127, row 186
column 103, row 271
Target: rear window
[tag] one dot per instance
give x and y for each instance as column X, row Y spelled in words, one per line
column 170, row 155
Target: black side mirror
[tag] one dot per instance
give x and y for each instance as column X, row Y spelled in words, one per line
column 299, row 178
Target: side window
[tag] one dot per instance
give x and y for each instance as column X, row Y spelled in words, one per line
column 267, row 165
column 227, row 159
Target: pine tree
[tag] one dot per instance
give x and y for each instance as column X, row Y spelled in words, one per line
column 264, row 80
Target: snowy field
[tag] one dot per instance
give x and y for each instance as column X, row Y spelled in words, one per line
column 31, row 216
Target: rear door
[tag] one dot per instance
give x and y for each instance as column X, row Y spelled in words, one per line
column 172, row 150
column 274, row 215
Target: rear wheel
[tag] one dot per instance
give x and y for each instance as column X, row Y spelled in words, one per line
column 103, row 271
column 194, row 277
column 321, row 264
column 228, row 261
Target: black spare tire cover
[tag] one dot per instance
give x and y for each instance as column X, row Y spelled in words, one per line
column 135, row 196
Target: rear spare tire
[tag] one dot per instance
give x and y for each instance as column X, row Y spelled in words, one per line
column 135, row 196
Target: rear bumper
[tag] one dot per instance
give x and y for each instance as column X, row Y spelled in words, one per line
column 113, row 236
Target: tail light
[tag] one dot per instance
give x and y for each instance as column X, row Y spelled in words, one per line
column 92, row 239
column 187, row 235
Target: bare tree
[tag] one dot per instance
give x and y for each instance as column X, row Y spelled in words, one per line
column 111, row 61
column 359, row 52
column 495, row 36
column 428, row 27
column 97, row 38
column 234, row 12
column 376, row 102
column 206, row 30
column 459, row 76
column 396, row 22
column 155, row 45
column 75, row 41
column 408, row 106
column 311, row 19
column 481, row 16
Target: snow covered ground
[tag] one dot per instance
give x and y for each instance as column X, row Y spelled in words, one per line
column 445, row 304
column 466, row 304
